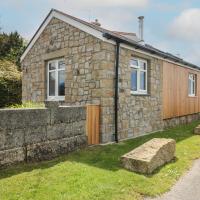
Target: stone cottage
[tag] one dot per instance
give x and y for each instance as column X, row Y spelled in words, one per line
column 139, row 88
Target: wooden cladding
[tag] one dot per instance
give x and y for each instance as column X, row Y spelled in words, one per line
column 176, row 101
column 93, row 123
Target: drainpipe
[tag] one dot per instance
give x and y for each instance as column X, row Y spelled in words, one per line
column 116, row 89
column 116, row 98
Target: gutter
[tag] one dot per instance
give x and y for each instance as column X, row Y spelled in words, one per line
column 116, row 90
column 149, row 49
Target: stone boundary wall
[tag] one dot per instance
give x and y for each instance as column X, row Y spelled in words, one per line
column 172, row 122
column 40, row 134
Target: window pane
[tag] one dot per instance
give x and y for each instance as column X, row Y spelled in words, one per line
column 192, row 84
column 142, row 65
column 189, row 86
column 133, row 62
column 134, row 80
column 61, row 83
column 61, row 64
column 143, row 80
column 52, row 65
column 193, row 87
column 51, row 83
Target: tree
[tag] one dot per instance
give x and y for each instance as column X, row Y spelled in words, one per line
column 11, row 47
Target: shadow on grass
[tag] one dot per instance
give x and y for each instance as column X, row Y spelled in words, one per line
column 105, row 157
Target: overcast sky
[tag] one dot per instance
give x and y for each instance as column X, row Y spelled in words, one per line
column 170, row 25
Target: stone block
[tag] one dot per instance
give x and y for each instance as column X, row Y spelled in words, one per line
column 21, row 118
column 51, row 149
column 35, row 134
column 12, row 156
column 10, row 139
column 197, row 130
column 68, row 114
column 149, row 156
column 58, row 131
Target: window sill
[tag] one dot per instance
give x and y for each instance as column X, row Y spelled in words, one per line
column 192, row 96
column 56, row 99
column 139, row 94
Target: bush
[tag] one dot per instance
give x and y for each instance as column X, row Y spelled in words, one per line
column 10, row 84
column 28, row 104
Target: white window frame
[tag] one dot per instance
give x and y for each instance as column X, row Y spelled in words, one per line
column 56, row 70
column 139, row 91
column 192, row 90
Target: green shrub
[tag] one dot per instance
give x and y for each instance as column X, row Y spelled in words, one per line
column 10, row 84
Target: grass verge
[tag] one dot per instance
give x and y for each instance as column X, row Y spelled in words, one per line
column 96, row 173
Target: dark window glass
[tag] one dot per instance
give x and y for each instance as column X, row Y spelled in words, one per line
column 61, row 83
column 51, row 83
column 52, row 66
column 143, row 80
column 134, row 80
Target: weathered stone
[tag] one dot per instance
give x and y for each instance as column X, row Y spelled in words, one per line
column 35, row 135
column 197, row 130
column 12, row 156
column 53, row 130
column 51, row 149
column 149, row 156
column 10, row 139
column 14, row 118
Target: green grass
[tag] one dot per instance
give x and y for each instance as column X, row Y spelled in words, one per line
column 28, row 104
column 96, row 173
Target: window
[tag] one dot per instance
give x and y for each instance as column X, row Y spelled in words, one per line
column 192, row 85
column 56, row 80
column 138, row 76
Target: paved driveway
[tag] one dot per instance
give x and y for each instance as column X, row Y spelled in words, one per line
column 187, row 188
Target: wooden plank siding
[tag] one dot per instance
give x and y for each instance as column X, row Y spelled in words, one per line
column 176, row 101
column 93, row 124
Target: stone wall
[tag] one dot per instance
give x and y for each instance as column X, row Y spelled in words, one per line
column 172, row 122
column 89, row 70
column 40, row 134
column 139, row 114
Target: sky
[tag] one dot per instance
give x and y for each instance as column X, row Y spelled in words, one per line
column 170, row 25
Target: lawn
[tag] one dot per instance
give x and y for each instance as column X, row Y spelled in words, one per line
column 96, row 173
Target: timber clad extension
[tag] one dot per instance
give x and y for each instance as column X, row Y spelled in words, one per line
column 154, row 87
column 176, row 98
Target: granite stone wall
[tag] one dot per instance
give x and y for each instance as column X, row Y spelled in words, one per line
column 89, row 70
column 40, row 134
column 139, row 114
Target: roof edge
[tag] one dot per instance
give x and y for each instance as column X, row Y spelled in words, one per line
column 78, row 23
column 151, row 50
